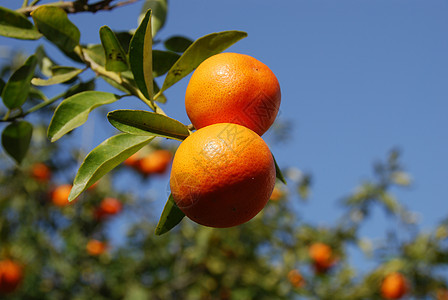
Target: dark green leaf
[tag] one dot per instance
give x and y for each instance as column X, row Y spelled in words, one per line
column 104, row 158
column 171, row 216
column 16, row 90
column 200, row 50
column 278, row 172
column 116, row 60
column 16, row 138
column 159, row 9
column 80, row 87
column 96, row 53
column 74, row 111
column 2, row 85
column 16, row 25
column 162, row 61
column 44, row 62
column 54, row 24
column 37, row 94
column 124, row 37
column 141, row 122
column 140, row 56
column 178, row 43
column 61, row 74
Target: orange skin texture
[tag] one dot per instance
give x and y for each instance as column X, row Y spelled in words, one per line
column 60, row 194
column 222, row 175
column 11, row 276
column 95, row 247
column 296, row 278
column 394, row 286
column 322, row 256
column 156, row 162
column 40, row 172
column 233, row 88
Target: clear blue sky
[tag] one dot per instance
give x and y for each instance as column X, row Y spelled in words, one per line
column 357, row 77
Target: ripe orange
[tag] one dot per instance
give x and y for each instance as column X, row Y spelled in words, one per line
column 40, row 172
column 322, row 256
column 222, row 175
column 296, row 278
column 155, row 162
column 60, row 194
column 95, row 247
column 111, row 206
column 10, row 276
column 132, row 161
column 442, row 294
column 233, row 88
column 394, row 286
column 277, row 194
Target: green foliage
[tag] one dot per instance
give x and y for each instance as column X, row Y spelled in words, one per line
column 16, row 139
column 171, row 216
column 15, row 25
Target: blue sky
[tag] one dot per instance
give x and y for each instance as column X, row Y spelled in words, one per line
column 358, row 78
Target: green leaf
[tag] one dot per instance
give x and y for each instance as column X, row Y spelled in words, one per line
column 96, row 53
column 178, row 43
column 106, row 156
column 16, row 25
column 124, row 37
column 162, row 61
column 80, row 87
column 200, row 50
column 2, row 85
column 63, row 74
column 278, row 172
column 44, row 62
column 54, row 24
column 139, row 122
column 159, row 9
column 37, row 94
column 116, row 60
column 140, row 56
column 171, row 216
column 161, row 98
column 16, row 138
column 74, row 111
column 16, row 90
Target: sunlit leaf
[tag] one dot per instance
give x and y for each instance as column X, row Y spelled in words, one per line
column 140, row 56
column 96, row 53
column 74, row 111
column 177, row 43
column 171, row 216
column 141, row 122
column 106, row 156
column 16, row 25
column 54, row 24
column 16, row 138
column 159, row 9
column 63, row 75
column 116, row 60
column 200, row 50
column 16, row 90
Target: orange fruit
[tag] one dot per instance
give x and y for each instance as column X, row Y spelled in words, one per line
column 322, row 256
column 296, row 278
column 277, row 194
column 442, row 294
column 155, row 162
column 60, row 194
column 95, row 247
column 132, row 161
column 233, row 88
column 40, row 172
column 111, row 206
column 222, row 175
column 394, row 286
column 10, row 276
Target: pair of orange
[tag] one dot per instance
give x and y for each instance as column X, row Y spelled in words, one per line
column 223, row 174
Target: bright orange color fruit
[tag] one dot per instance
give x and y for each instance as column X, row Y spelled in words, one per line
column 111, row 206
column 222, row 175
column 40, row 172
column 277, row 194
column 11, row 276
column 132, row 161
column 442, row 294
column 233, row 88
column 394, row 286
column 296, row 278
column 322, row 256
column 60, row 194
column 156, row 162
column 95, row 247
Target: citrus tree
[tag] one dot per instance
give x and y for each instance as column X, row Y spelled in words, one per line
column 68, row 231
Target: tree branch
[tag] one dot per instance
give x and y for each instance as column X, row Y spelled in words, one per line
column 78, row 6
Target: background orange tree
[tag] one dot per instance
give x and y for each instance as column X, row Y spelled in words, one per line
column 90, row 250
